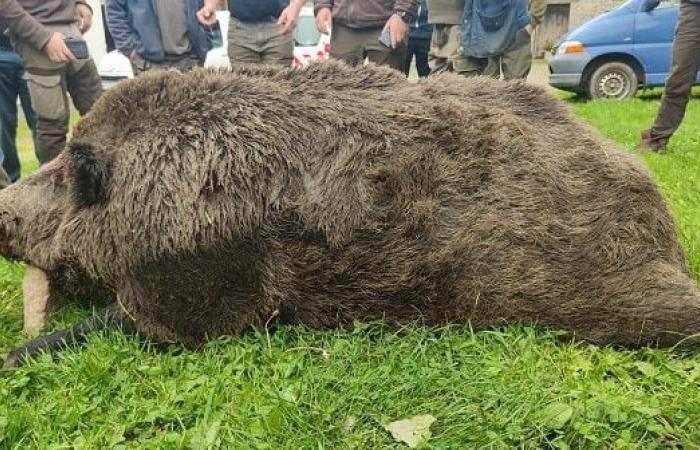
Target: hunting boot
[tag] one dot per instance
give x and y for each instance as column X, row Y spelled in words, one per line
column 648, row 142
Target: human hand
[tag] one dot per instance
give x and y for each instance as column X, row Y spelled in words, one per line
column 288, row 17
column 398, row 30
column 324, row 18
column 206, row 15
column 529, row 29
column 56, row 49
column 84, row 16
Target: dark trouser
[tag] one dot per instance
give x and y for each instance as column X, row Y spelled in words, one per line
column 259, row 43
column 49, row 85
column 353, row 45
column 686, row 62
column 418, row 48
column 183, row 63
column 516, row 62
column 12, row 85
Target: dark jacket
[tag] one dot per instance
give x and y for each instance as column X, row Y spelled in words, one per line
column 134, row 26
column 256, row 10
column 420, row 29
column 365, row 13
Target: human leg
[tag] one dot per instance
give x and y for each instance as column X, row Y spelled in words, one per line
column 686, row 61
column 421, row 49
column 493, row 68
column 84, row 84
column 517, row 61
column 346, row 46
column 243, row 43
column 441, row 48
column 277, row 47
column 50, row 102
column 47, row 88
column 26, row 102
column 410, row 51
column 10, row 70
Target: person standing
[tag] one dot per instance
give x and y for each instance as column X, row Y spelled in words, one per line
column 259, row 31
column 419, row 34
column 490, row 28
column 684, row 67
column 158, row 34
column 12, row 87
column 446, row 41
column 358, row 26
column 516, row 62
column 39, row 30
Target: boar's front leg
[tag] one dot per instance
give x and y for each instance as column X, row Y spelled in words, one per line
column 105, row 319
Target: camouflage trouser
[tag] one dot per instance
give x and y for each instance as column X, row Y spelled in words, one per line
column 49, row 85
column 446, row 53
column 184, row 64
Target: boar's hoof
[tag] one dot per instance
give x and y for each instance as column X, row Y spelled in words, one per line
column 13, row 361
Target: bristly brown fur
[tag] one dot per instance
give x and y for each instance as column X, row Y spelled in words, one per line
column 333, row 194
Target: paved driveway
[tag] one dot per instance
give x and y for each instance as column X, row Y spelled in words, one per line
column 539, row 73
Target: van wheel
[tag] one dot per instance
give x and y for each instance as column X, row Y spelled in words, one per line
column 613, row 80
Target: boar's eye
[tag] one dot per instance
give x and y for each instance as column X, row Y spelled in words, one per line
column 89, row 175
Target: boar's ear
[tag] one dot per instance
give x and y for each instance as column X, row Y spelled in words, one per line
column 89, row 175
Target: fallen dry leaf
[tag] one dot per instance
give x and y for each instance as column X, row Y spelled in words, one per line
column 414, row 431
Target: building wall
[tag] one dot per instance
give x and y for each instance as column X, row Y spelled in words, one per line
column 583, row 10
column 565, row 15
column 554, row 25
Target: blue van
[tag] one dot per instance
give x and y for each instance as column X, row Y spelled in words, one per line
column 614, row 54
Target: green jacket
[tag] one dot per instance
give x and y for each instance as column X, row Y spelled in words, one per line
column 536, row 10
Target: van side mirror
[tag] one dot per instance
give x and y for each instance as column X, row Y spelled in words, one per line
column 650, row 4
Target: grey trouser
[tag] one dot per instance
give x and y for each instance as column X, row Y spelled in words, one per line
column 49, row 85
column 184, row 63
column 686, row 62
column 446, row 53
column 353, row 45
column 259, row 43
column 516, row 62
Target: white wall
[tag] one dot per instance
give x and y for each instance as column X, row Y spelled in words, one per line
column 95, row 37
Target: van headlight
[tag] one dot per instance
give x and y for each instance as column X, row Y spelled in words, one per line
column 571, row 47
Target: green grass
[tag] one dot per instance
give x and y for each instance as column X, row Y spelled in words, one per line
column 517, row 387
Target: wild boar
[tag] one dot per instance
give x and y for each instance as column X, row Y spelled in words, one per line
column 210, row 202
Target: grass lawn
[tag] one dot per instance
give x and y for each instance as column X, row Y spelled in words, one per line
column 517, row 387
